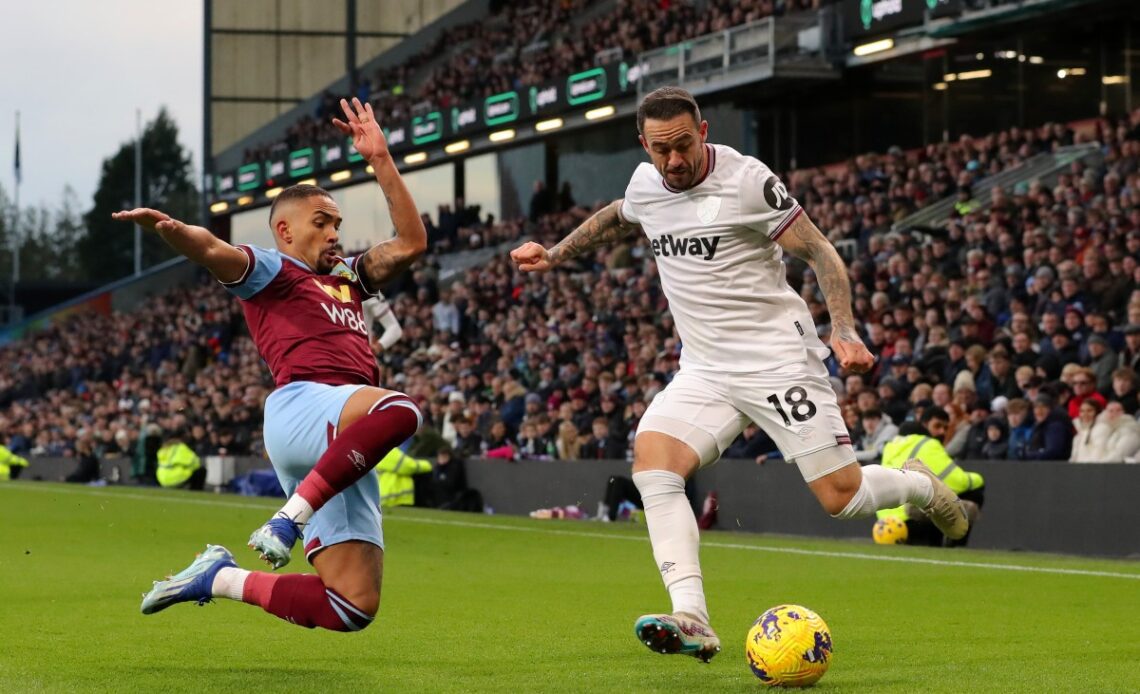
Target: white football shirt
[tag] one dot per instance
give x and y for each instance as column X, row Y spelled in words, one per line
column 720, row 267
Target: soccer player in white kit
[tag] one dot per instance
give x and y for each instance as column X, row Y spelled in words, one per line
column 718, row 223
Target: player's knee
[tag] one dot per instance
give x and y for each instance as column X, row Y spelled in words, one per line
column 403, row 402
column 836, row 490
column 836, row 501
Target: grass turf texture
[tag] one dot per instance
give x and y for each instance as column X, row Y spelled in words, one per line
column 477, row 603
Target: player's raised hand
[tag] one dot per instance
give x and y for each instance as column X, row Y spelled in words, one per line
column 366, row 134
column 852, row 354
column 147, row 219
column 531, row 257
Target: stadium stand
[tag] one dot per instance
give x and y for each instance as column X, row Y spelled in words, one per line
column 1030, row 300
column 522, row 44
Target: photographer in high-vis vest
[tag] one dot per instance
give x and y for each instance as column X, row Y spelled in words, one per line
column 923, row 442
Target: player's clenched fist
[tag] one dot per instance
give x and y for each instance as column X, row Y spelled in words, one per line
column 531, row 257
column 853, row 355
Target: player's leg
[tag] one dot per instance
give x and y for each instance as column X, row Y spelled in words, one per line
column 344, row 596
column 370, row 422
column 344, row 541
column 799, row 411
column 685, row 427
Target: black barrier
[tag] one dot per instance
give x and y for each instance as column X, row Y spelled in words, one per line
column 1038, row 506
column 1042, row 507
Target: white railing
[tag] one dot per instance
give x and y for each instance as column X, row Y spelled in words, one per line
column 719, row 55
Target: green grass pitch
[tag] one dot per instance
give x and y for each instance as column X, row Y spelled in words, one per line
column 484, row 603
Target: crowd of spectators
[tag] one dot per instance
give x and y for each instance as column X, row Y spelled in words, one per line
column 522, row 44
column 116, row 386
column 1020, row 318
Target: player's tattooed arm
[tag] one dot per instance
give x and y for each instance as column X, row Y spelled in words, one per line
column 603, row 227
column 805, row 241
column 388, row 258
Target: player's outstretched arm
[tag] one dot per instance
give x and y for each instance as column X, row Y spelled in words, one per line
column 388, row 258
column 805, row 241
column 603, row 227
column 225, row 262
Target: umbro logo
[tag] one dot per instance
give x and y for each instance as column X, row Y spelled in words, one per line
column 667, row 566
column 668, row 245
column 357, row 459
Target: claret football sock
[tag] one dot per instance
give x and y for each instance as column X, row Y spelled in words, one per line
column 675, row 539
column 355, row 451
column 302, row 599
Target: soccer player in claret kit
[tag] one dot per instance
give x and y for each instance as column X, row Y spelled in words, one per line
column 327, row 423
column 718, row 223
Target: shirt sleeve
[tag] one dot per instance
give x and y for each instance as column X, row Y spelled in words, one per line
column 765, row 205
column 627, row 210
column 262, row 266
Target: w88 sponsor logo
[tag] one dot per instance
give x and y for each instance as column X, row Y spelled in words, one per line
column 344, row 315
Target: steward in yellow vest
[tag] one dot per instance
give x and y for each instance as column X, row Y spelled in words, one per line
column 924, row 443
column 11, row 465
column 179, row 465
column 397, row 488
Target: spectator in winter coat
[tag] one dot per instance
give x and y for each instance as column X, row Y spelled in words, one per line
column 1115, row 436
column 1086, row 448
column 996, row 446
column 1124, row 389
column 969, row 439
column 1050, row 438
column 878, row 429
column 602, row 445
column 1102, row 362
column 1017, row 413
column 997, row 378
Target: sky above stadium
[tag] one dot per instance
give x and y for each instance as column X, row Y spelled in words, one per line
column 77, row 70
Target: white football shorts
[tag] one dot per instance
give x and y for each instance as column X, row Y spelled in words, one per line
column 795, row 406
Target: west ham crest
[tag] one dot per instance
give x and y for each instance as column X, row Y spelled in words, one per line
column 708, row 208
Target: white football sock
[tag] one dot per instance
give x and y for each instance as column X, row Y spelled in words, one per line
column 887, row 488
column 298, row 509
column 229, row 583
column 675, row 539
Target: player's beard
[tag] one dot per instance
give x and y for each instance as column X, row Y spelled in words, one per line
column 689, row 174
column 326, row 262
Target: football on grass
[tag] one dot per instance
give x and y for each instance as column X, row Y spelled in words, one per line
column 789, row 646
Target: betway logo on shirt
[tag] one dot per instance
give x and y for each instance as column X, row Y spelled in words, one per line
column 344, row 315
column 667, row 245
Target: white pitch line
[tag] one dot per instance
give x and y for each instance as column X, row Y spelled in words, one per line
column 607, row 536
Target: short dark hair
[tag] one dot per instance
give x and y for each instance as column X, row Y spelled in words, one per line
column 935, row 413
column 872, row 413
column 664, row 103
column 300, row 191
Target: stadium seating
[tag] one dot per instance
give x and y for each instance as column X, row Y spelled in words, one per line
column 522, row 44
column 597, row 340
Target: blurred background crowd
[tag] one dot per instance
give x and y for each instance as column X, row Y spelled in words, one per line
column 1020, row 317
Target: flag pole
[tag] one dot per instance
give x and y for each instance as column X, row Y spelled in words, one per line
column 15, row 230
column 138, row 188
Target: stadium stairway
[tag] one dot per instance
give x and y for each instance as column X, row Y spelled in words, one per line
column 1045, row 167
